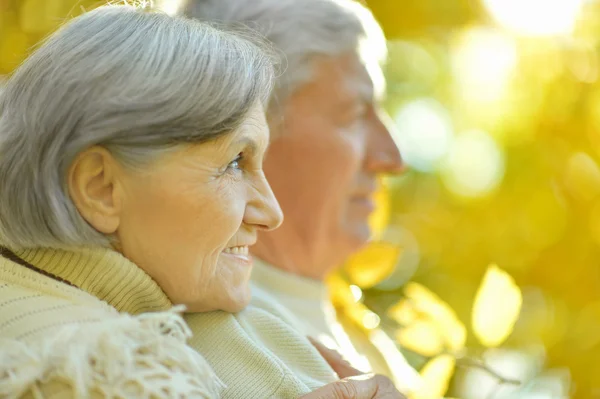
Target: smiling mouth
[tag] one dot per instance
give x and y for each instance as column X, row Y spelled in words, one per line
column 241, row 250
column 240, row 254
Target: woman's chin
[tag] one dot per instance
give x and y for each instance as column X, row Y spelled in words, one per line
column 233, row 303
column 236, row 307
column 239, row 300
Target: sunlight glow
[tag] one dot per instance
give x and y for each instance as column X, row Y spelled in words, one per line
column 512, row 364
column 343, row 345
column 484, row 60
column 356, row 292
column 371, row 320
column 404, row 376
column 536, row 17
column 409, row 260
column 474, row 166
column 424, row 133
column 582, row 176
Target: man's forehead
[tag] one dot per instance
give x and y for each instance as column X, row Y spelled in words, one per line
column 354, row 77
column 378, row 86
column 366, row 88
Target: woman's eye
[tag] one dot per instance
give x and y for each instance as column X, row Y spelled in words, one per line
column 235, row 164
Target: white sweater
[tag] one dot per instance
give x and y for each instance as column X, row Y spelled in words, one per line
column 307, row 304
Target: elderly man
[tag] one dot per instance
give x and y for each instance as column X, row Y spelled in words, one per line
column 330, row 141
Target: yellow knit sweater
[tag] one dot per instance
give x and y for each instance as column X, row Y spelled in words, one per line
column 50, row 299
column 59, row 341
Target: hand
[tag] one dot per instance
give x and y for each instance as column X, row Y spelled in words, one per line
column 366, row 386
column 335, row 360
column 354, row 384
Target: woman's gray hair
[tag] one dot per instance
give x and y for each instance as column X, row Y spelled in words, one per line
column 135, row 82
column 300, row 29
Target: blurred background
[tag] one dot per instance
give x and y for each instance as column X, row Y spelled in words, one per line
column 485, row 267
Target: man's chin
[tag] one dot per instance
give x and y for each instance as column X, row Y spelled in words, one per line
column 355, row 239
column 359, row 234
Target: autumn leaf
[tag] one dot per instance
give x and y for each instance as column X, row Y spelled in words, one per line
column 496, row 308
column 421, row 337
column 378, row 220
column 432, row 316
column 435, row 377
column 373, row 264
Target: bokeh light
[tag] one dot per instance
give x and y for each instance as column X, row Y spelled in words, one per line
column 407, row 263
column 484, row 60
column 582, row 177
column 536, row 17
column 510, row 364
column 371, row 320
column 474, row 166
column 424, row 133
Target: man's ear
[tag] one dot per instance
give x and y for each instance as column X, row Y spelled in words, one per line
column 94, row 188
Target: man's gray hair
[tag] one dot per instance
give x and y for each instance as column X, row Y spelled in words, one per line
column 300, row 29
column 135, row 82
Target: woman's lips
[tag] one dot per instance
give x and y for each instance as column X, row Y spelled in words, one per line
column 240, row 253
column 241, row 250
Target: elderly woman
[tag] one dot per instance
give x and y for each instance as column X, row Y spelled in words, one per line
column 131, row 148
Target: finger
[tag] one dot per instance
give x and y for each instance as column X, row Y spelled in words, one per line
column 341, row 366
column 346, row 389
column 386, row 388
column 366, row 386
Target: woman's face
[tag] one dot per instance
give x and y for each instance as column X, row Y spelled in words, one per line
column 189, row 218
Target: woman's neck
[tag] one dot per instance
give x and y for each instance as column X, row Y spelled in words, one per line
column 101, row 272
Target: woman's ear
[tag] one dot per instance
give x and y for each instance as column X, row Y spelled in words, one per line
column 94, row 188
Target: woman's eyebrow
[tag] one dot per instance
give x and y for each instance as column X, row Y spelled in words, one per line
column 246, row 142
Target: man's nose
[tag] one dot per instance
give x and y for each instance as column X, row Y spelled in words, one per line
column 383, row 155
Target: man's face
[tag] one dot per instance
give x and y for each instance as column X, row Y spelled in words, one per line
column 323, row 164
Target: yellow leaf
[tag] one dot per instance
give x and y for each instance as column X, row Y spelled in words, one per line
column 435, row 377
column 403, row 312
column 496, row 308
column 346, row 299
column 340, row 292
column 373, row 264
column 430, row 306
column 378, row 220
column 421, row 337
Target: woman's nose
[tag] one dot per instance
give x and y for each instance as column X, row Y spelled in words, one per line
column 264, row 211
